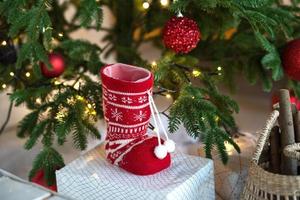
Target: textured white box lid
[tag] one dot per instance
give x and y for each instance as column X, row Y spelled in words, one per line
column 92, row 177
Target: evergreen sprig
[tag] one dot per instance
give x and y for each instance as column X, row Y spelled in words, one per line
column 47, row 160
column 27, row 124
column 43, row 123
column 82, row 53
column 203, row 118
column 90, row 11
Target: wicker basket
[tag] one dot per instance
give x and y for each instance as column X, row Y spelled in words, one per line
column 262, row 184
column 292, row 151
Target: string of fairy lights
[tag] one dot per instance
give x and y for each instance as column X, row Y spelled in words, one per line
column 89, row 113
column 145, row 5
column 195, row 73
column 27, row 74
column 164, row 3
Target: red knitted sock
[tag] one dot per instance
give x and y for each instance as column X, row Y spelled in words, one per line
column 127, row 113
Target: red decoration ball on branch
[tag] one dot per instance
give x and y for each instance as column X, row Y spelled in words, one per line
column 181, row 34
column 57, row 66
column 39, row 178
column 291, row 59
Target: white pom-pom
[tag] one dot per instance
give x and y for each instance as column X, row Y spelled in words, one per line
column 170, row 145
column 160, row 151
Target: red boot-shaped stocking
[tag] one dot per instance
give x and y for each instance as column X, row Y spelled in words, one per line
column 126, row 103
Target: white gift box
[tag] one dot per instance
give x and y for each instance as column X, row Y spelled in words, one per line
column 15, row 188
column 92, row 177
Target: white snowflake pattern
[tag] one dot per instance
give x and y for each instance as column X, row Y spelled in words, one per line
column 116, row 114
column 140, row 116
column 127, row 100
column 142, row 99
column 104, row 92
column 112, row 97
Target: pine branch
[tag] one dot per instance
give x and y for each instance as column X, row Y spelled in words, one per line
column 203, row 117
column 63, row 128
column 79, row 137
column 90, row 11
column 22, row 96
column 91, row 130
column 47, row 160
column 28, row 123
column 37, row 131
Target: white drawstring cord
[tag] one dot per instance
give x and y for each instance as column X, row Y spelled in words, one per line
column 156, row 129
column 159, row 119
column 160, row 151
column 170, row 144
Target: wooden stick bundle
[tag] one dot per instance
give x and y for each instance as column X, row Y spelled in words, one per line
column 288, row 165
column 296, row 117
column 275, row 150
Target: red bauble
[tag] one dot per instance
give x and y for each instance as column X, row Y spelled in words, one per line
column 181, row 34
column 39, row 178
column 57, row 66
column 291, row 59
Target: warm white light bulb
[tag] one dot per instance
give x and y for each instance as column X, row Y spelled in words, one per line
column 196, row 73
column 60, row 34
column 153, row 64
column 11, row 74
column 219, row 68
column 164, row 2
column 3, row 43
column 27, row 74
column 38, row 101
column 168, row 96
column 4, row 86
column 217, row 118
column 146, row 5
column 229, row 148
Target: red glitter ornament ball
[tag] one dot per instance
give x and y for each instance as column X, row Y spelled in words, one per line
column 57, row 66
column 291, row 59
column 39, row 178
column 181, row 34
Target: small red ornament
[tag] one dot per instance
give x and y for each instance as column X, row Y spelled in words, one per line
column 39, row 178
column 291, row 59
column 181, row 34
column 57, row 63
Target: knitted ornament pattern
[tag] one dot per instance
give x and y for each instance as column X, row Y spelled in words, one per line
column 127, row 113
column 181, row 34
